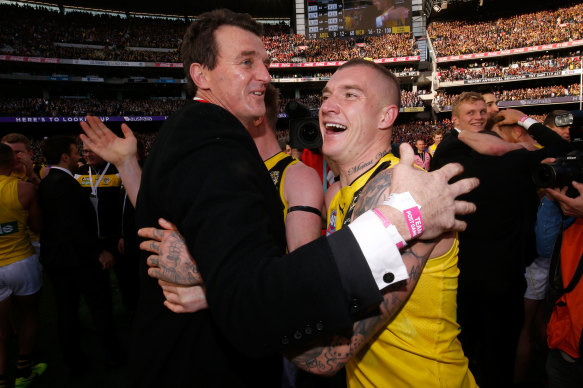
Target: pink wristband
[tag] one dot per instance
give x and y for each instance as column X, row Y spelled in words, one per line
column 392, row 229
column 523, row 118
column 414, row 221
column 386, row 223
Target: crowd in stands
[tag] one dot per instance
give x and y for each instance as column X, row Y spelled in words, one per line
column 384, row 46
column 409, row 99
column 33, row 32
column 30, row 29
column 415, row 130
column 540, row 64
column 285, row 48
column 402, row 133
column 39, row 107
column 540, row 92
column 531, row 29
column 302, row 75
column 443, row 99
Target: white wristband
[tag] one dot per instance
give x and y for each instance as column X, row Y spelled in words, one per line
column 412, row 211
column 525, row 122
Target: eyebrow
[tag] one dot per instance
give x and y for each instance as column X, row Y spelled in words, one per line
column 344, row 88
column 251, row 53
column 247, row 53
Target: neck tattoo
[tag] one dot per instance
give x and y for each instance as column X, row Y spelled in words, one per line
column 363, row 165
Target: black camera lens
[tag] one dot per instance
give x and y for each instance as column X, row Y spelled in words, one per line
column 309, row 131
column 545, row 176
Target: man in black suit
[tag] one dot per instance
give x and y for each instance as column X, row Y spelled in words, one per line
column 72, row 255
column 499, row 239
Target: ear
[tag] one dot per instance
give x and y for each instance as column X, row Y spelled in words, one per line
column 516, row 132
column 388, row 116
column 258, row 121
column 65, row 158
column 198, row 73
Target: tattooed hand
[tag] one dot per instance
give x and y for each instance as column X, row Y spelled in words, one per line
column 433, row 193
column 171, row 260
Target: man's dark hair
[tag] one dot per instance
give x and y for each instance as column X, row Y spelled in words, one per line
column 56, row 146
column 493, row 121
column 6, row 156
column 199, row 44
column 485, row 89
column 271, row 105
column 396, row 90
column 550, row 119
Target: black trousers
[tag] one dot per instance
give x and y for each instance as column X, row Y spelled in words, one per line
column 93, row 283
column 490, row 326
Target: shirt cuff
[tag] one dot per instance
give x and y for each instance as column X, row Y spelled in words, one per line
column 379, row 250
column 527, row 123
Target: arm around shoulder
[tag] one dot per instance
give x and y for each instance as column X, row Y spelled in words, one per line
column 304, row 194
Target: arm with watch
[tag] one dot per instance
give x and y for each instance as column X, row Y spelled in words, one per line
column 541, row 133
column 553, row 144
column 515, row 153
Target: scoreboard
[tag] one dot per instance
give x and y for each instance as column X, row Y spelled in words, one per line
column 345, row 18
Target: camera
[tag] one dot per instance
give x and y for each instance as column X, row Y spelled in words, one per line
column 561, row 173
column 569, row 167
column 304, row 129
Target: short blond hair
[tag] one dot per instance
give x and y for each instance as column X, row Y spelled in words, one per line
column 465, row 98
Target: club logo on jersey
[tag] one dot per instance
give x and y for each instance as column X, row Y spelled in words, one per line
column 8, row 228
column 332, row 224
column 274, row 176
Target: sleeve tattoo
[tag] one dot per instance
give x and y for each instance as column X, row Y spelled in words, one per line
column 329, row 356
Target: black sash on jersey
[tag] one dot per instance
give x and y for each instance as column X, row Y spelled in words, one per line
column 280, row 167
column 348, row 216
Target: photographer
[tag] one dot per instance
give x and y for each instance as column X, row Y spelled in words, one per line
column 564, row 367
column 570, row 206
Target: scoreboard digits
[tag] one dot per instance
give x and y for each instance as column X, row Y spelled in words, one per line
column 339, row 18
column 325, row 19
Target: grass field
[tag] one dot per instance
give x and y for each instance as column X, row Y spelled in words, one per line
column 97, row 373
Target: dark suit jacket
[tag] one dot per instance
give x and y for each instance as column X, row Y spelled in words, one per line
column 69, row 225
column 499, row 239
column 205, row 175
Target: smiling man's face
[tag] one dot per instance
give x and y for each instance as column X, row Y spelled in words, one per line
column 471, row 116
column 238, row 81
column 354, row 107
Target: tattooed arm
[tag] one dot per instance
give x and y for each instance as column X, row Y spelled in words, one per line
column 328, row 358
column 330, row 354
